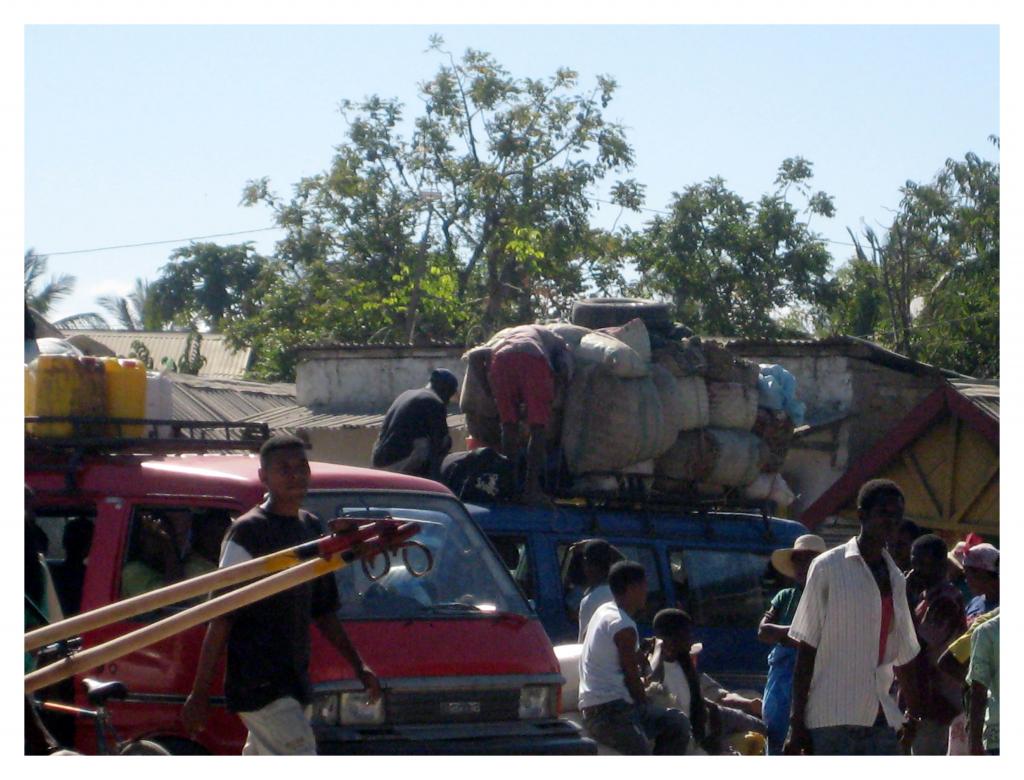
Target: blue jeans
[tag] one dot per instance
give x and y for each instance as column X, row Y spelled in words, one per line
column 877, row 740
column 626, row 727
column 778, row 695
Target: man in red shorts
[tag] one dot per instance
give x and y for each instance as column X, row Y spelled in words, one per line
column 519, row 368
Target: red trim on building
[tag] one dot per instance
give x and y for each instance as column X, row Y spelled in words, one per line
column 917, row 422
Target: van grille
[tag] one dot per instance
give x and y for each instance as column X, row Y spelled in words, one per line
column 409, row 707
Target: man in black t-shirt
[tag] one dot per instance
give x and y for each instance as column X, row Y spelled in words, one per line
column 414, row 438
column 268, row 647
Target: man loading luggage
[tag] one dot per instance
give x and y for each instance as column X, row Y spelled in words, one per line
column 414, row 438
column 520, row 367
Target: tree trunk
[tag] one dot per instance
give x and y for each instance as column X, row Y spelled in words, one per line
column 419, row 268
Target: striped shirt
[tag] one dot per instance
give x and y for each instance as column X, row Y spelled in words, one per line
column 840, row 614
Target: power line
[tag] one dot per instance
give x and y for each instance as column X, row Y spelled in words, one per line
column 265, row 229
column 156, row 243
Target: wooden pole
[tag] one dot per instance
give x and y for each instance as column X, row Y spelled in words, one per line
column 154, row 599
column 387, row 538
column 195, row 586
column 143, row 637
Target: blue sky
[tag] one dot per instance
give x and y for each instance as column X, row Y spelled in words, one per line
column 140, row 134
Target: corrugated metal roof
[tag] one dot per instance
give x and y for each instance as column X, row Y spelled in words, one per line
column 847, row 345
column 983, row 394
column 293, row 418
column 229, row 400
column 221, row 360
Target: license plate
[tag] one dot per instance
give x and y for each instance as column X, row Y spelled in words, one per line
column 460, row 707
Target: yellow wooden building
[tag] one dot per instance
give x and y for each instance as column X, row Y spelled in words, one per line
column 944, row 455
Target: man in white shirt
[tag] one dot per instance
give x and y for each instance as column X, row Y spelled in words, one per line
column 854, row 630
column 598, row 557
column 612, row 701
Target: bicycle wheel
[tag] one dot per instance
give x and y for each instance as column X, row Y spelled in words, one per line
column 143, row 747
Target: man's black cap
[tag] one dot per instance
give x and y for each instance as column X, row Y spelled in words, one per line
column 444, row 382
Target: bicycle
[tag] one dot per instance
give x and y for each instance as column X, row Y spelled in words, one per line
column 108, row 741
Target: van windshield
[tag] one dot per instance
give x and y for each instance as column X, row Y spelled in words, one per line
column 467, row 578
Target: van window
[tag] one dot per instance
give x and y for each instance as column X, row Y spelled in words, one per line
column 720, row 588
column 467, row 577
column 171, row 543
column 570, row 566
column 512, row 550
column 656, row 598
column 68, row 534
column 574, row 587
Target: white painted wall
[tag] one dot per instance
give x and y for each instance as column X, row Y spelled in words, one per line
column 354, row 446
column 824, row 383
column 365, row 380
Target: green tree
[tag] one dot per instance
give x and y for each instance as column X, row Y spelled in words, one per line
column 859, row 306
column 472, row 214
column 928, row 286
column 205, row 282
column 732, row 267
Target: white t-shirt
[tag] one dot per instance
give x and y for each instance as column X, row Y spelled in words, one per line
column 676, row 685
column 602, row 594
column 601, row 676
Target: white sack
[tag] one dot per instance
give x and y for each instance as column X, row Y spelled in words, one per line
column 633, row 334
column 603, row 349
column 571, row 334
column 770, row 487
column 692, row 392
column 738, row 460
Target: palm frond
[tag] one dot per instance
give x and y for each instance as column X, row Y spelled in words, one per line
column 86, row 321
column 35, row 266
column 57, row 288
column 120, row 309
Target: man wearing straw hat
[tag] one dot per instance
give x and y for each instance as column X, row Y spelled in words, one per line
column 268, row 646
column 793, row 563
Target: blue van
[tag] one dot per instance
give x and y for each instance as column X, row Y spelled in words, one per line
column 714, row 565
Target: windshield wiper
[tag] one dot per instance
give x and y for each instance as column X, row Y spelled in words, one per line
column 453, row 607
column 461, row 608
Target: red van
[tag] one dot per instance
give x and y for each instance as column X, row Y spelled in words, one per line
column 464, row 661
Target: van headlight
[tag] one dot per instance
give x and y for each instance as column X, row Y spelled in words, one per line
column 355, row 711
column 325, row 709
column 537, row 701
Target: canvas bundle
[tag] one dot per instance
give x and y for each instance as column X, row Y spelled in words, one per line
column 731, row 406
column 724, row 366
column 611, row 422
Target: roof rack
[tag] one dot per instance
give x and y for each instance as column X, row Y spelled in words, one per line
column 634, row 496
column 92, row 436
column 104, row 434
